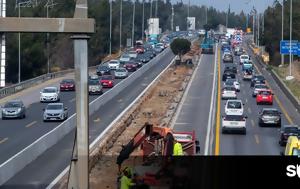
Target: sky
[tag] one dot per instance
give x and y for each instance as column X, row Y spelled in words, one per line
column 235, row 5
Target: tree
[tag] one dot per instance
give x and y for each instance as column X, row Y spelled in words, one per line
column 180, row 46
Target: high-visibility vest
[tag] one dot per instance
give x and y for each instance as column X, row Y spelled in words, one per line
column 126, row 182
column 177, row 150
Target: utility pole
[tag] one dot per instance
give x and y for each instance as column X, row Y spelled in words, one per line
column 290, row 77
column 143, row 20
column 156, row 4
column 151, row 8
column 133, row 15
column 205, row 15
column 121, row 9
column 172, row 19
column 282, row 23
column 110, row 25
column 188, row 11
column 258, row 28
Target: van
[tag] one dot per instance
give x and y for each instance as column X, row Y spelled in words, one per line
column 292, row 146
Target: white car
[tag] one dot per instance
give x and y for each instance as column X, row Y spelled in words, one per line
column 234, row 107
column 132, row 54
column 234, row 123
column 244, row 58
column 234, row 83
column 229, row 92
column 114, row 64
column 50, row 94
column 258, row 88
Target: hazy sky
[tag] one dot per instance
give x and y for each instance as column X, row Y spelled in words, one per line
column 235, row 5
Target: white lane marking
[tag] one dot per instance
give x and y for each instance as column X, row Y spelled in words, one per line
column 256, row 139
column 249, row 110
column 31, row 124
column 182, row 123
column 210, row 121
column 252, row 123
column 3, row 140
column 183, row 99
column 246, row 100
column 72, row 100
column 91, row 146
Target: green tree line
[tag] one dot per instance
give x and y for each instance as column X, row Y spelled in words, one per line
column 33, row 46
column 272, row 31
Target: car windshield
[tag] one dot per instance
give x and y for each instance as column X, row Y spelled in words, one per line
column 93, row 82
column 244, row 57
column 113, row 62
column 270, row 112
column 121, row 70
column 67, row 81
column 12, row 105
column 291, row 130
column 125, row 56
column 234, row 105
column 229, row 83
column 49, row 90
column 107, row 77
column 103, row 68
column 261, row 87
column 265, row 93
column 54, row 107
column 259, row 77
column 229, row 88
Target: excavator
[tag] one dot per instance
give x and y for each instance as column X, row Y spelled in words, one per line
column 156, row 148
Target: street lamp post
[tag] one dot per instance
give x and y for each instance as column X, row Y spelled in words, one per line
column 110, row 25
column 121, row 5
column 290, row 77
column 150, row 8
column 282, row 20
column 156, row 2
column 133, row 16
column 19, row 54
column 143, row 21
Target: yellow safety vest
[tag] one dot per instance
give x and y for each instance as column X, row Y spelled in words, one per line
column 177, row 150
column 126, row 182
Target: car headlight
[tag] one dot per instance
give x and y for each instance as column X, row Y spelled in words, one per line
column 18, row 110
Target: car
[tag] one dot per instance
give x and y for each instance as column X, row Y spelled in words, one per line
column 227, row 57
column 228, row 75
column 14, row 109
column 132, row 54
column 226, row 47
column 137, row 62
column 113, row 64
column 231, row 67
column 247, row 74
column 264, row 97
column 55, row 112
column 50, row 94
column 67, row 85
column 229, row 92
column 107, row 81
column 234, row 83
column 269, row 116
column 103, row 70
column 130, row 66
column 95, row 87
column 124, row 58
column 157, row 49
column 160, row 45
column 147, row 54
column 139, row 49
column 238, row 51
column 244, row 58
column 120, row 73
column 259, row 87
column 257, row 79
column 286, row 131
column 234, row 107
column 247, row 65
column 234, row 123
column 292, row 147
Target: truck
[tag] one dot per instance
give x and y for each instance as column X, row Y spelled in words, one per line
column 207, row 45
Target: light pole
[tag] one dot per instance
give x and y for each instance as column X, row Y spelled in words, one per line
column 143, row 21
column 110, row 25
column 121, row 25
column 172, row 19
column 19, row 54
column 156, row 2
column 290, row 77
column 133, row 16
column 282, row 20
column 205, row 15
column 150, row 8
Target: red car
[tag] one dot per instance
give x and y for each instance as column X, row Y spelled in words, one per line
column 67, row 85
column 107, row 81
column 130, row 66
column 139, row 49
column 264, row 97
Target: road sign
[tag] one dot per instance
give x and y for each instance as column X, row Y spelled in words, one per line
column 285, row 47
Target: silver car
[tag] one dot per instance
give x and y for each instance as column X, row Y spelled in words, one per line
column 14, row 109
column 55, row 112
column 121, row 73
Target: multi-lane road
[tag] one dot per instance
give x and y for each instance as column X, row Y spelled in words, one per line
column 21, row 133
column 201, row 101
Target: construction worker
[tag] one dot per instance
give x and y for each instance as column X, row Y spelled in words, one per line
column 126, row 180
column 177, row 149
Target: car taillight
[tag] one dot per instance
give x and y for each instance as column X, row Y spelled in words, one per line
column 110, row 82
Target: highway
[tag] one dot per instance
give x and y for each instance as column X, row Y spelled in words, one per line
column 195, row 111
column 55, row 159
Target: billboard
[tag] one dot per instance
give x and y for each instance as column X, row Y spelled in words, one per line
column 191, row 23
column 153, row 26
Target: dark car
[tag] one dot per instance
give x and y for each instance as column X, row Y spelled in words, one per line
column 103, row 70
column 138, row 62
column 130, row 66
column 14, row 109
column 67, row 85
column 286, row 131
column 228, row 75
column 269, row 116
column 231, row 67
column 146, row 57
column 227, row 58
column 257, row 79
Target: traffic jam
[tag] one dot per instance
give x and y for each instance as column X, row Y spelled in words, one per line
column 241, row 78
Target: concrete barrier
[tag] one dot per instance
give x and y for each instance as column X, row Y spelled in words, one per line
column 16, row 163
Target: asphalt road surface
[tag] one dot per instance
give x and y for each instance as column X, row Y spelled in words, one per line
column 45, row 168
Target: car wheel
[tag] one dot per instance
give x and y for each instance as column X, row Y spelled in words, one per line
column 223, row 131
column 24, row 116
column 244, row 132
column 58, row 100
column 3, row 118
